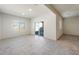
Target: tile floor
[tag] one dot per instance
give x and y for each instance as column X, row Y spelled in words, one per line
column 35, row 45
column 70, row 43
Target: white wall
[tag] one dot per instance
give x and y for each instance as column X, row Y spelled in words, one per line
column 7, row 25
column 59, row 26
column 71, row 26
column 59, row 21
column 0, row 28
column 49, row 25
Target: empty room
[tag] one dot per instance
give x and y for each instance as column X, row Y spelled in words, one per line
column 39, row 29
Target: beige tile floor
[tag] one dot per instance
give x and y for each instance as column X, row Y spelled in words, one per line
column 70, row 43
column 35, row 45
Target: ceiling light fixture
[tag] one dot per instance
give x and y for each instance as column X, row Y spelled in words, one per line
column 30, row 9
column 23, row 13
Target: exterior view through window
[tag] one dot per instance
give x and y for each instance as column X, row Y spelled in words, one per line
column 39, row 28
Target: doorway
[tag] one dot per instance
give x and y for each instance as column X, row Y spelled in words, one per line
column 39, row 28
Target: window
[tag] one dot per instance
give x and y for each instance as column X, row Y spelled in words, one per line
column 18, row 26
column 38, row 25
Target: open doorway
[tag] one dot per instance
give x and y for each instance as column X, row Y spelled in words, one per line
column 39, row 28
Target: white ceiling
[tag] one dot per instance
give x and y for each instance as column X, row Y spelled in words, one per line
column 67, row 10
column 23, row 10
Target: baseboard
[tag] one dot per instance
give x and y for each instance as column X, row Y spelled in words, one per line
column 60, row 37
column 15, row 36
column 72, row 35
column 68, row 35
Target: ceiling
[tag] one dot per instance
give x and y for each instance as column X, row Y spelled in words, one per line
column 36, row 10
column 67, row 10
column 24, row 10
